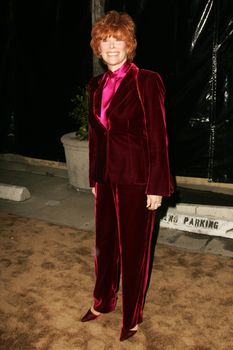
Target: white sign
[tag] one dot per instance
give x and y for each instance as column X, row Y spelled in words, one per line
column 204, row 225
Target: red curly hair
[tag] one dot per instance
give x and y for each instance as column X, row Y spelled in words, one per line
column 118, row 25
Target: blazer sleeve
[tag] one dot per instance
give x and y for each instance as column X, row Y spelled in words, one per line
column 90, row 134
column 159, row 180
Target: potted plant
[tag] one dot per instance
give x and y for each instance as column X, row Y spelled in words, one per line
column 76, row 144
column 80, row 113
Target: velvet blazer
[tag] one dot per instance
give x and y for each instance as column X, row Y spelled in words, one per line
column 133, row 148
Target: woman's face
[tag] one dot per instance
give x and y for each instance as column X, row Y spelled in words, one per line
column 114, row 52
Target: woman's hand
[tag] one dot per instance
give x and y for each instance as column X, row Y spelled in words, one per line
column 93, row 191
column 153, row 201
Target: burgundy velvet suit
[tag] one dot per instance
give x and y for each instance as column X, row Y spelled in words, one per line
column 128, row 160
column 134, row 148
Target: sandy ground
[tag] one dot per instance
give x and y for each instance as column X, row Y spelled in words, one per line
column 46, row 284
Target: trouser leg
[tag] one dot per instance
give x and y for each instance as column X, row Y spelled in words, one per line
column 136, row 226
column 107, row 250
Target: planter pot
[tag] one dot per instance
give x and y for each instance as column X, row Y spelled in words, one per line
column 76, row 153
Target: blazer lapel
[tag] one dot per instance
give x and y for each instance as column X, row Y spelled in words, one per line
column 123, row 89
column 120, row 94
column 98, row 96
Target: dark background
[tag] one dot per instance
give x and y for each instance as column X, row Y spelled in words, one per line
column 45, row 56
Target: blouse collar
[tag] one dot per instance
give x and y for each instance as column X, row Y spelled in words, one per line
column 120, row 72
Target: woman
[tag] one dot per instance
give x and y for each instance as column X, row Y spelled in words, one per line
column 129, row 169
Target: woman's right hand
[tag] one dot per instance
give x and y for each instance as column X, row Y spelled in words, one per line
column 93, row 191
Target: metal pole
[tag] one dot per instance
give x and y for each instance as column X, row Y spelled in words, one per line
column 97, row 11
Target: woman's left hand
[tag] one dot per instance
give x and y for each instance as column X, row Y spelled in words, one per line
column 153, row 202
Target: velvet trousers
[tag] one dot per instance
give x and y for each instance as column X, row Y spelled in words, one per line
column 124, row 229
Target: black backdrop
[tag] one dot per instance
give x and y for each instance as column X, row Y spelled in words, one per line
column 46, row 55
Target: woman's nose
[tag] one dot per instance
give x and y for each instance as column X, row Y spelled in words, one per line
column 112, row 44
